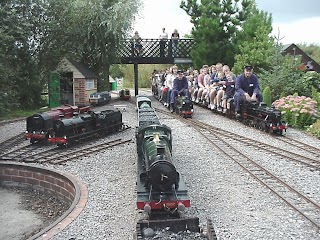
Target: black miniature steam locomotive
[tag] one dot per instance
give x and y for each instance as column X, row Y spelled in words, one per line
column 40, row 125
column 183, row 106
column 159, row 185
column 86, row 126
column 257, row 115
column 260, row 116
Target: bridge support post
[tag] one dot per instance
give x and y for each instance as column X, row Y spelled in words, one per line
column 136, row 79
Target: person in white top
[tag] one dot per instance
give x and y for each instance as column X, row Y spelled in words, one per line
column 163, row 40
column 169, row 83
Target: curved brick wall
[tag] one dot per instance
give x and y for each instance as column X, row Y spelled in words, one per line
column 66, row 187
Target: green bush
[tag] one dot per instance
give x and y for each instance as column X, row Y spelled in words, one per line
column 267, row 99
column 316, row 96
column 314, row 129
column 297, row 111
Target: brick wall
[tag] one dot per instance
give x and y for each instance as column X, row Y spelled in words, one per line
column 64, row 186
column 41, row 179
column 79, row 92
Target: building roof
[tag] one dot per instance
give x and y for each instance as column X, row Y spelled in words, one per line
column 84, row 69
column 307, row 61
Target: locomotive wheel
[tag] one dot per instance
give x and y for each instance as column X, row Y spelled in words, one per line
column 32, row 141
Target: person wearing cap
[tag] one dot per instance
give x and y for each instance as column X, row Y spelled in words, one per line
column 246, row 87
column 180, row 87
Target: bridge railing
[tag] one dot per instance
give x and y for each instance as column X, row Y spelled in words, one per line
column 155, row 48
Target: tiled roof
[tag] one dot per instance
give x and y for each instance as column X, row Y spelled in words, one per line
column 84, row 69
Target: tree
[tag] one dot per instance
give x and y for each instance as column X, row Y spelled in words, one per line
column 283, row 75
column 313, row 50
column 215, row 26
column 19, row 30
column 36, row 34
column 255, row 45
column 103, row 24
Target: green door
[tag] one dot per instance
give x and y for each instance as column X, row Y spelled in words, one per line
column 54, row 90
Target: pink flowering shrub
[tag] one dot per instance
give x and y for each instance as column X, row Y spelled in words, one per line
column 297, row 111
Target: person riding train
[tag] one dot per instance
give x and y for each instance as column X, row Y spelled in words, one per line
column 180, row 87
column 246, row 88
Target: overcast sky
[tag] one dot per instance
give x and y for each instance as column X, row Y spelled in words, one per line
column 297, row 20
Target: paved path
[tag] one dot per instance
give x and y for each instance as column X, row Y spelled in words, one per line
column 15, row 222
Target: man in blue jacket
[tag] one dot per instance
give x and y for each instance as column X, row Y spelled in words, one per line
column 180, row 87
column 247, row 88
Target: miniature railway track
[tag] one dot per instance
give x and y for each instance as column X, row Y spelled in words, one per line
column 300, row 145
column 292, row 142
column 295, row 199
column 11, row 142
column 21, row 152
column 58, row 155
column 283, row 153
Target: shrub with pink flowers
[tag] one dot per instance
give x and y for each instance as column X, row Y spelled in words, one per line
column 297, row 111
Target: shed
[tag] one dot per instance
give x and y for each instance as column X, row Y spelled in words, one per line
column 307, row 63
column 77, row 82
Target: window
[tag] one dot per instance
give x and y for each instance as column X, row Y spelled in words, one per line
column 89, row 84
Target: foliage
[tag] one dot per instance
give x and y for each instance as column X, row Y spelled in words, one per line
column 316, row 96
column 92, row 31
column 35, row 35
column 313, row 50
column 297, row 111
column 215, row 26
column 20, row 34
column 314, row 129
column 267, row 96
column 311, row 79
column 7, row 103
column 144, row 72
column 116, row 71
column 283, row 77
column 255, row 46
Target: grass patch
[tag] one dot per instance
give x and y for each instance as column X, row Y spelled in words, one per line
column 19, row 113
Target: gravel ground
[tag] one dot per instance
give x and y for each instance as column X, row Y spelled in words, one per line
column 219, row 189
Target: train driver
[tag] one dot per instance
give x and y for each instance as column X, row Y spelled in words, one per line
column 180, row 87
column 246, row 88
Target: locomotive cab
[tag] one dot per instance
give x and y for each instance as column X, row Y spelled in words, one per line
column 38, row 127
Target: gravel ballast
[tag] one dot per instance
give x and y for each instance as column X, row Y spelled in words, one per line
column 239, row 206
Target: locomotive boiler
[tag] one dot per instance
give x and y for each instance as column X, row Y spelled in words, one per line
column 86, row 126
column 159, row 185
